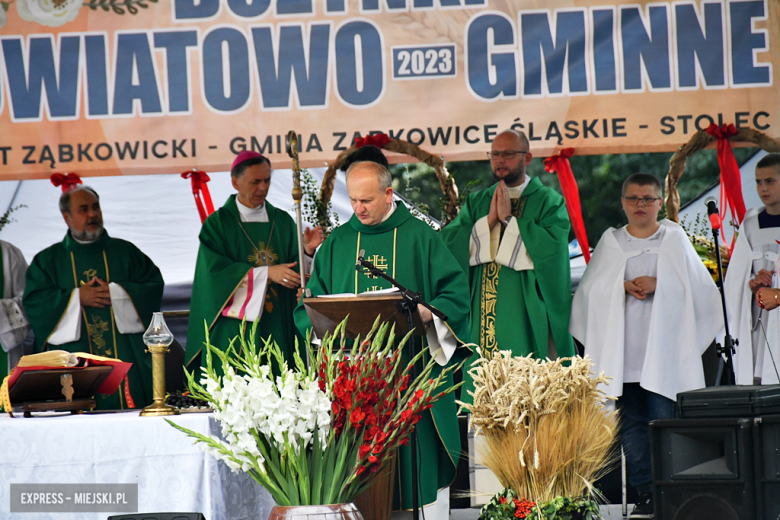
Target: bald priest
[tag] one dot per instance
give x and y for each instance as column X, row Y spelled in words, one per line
column 410, row 251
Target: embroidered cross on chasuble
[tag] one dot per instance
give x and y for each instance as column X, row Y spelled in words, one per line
column 100, row 323
column 489, row 290
column 381, row 253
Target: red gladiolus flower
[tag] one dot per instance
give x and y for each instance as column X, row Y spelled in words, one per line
column 364, row 450
column 361, row 469
column 373, row 460
column 356, row 416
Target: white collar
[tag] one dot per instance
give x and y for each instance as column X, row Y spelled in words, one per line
column 258, row 214
column 87, row 242
column 516, row 191
column 389, row 212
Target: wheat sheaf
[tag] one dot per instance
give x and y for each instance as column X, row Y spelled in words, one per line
column 546, row 428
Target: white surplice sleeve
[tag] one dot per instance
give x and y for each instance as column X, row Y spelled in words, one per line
column 125, row 314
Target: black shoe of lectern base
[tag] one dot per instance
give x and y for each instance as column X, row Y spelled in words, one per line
column 158, row 516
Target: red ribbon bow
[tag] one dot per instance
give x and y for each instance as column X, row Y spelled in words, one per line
column 68, row 181
column 378, row 140
column 560, row 164
column 199, row 179
column 730, row 179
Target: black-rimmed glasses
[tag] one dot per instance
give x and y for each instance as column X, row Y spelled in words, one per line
column 646, row 201
column 507, row 155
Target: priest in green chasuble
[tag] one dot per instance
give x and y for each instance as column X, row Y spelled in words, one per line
column 410, row 251
column 247, row 266
column 512, row 240
column 96, row 294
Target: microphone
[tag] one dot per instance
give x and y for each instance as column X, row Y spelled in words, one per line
column 712, row 212
column 359, row 262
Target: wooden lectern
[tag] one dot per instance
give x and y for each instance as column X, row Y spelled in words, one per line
column 325, row 313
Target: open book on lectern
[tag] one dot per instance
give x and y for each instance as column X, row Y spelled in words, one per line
column 327, row 311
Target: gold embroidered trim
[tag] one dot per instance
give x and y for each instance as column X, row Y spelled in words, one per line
column 395, row 236
column 357, row 255
column 375, row 260
column 113, row 329
column 489, row 295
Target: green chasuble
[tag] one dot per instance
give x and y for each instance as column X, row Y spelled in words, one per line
column 53, row 275
column 410, row 251
column 517, row 310
column 229, row 248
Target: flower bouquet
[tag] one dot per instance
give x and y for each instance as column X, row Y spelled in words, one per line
column 547, row 433
column 705, row 247
column 317, row 433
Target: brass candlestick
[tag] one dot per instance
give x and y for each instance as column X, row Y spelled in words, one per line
column 157, row 339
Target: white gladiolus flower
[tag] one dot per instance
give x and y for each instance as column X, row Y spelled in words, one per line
column 285, row 409
column 51, row 13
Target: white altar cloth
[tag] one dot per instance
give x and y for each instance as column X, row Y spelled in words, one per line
column 173, row 474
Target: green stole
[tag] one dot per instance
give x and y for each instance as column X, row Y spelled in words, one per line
column 488, row 288
column 378, row 250
column 89, row 261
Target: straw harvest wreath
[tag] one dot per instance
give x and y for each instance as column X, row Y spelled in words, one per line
column 699, row 141
column 447, row 183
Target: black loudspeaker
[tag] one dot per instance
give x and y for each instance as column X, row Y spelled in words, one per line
column 703, row 469
column 158, row 516
column 767, row 462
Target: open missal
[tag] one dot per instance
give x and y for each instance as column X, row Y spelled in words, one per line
column 37, row 377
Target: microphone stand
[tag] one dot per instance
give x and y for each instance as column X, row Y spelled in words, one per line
column 725, row 366
column 408, row 306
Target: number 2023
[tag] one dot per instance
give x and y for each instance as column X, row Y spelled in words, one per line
column 429, row 62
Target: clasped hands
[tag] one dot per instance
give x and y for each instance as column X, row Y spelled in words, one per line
column 95, row 293
column 500, row 205
column 761, row 286
column 640, row 287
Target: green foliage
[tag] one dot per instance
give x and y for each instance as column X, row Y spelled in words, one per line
column 317, row 431
column 507, row 505
column 119, row 6
column 6, row 218
column 312, row 208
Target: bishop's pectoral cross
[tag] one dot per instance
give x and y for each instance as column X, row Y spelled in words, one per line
column 262, row 255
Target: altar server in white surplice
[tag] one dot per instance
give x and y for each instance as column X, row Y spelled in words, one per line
column 14, row 325
column 752, row 267
column 645, row 310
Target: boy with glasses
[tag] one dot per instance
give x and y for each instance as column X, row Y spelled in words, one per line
column 646, row 310
column 512, row 242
